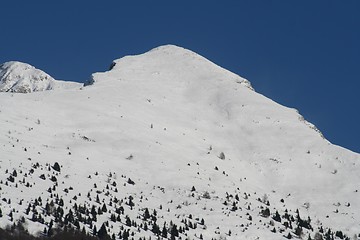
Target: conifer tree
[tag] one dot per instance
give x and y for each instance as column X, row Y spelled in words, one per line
column 277, row 217
column 104, row 209
column 146, row 214
column 164, row 232
column 128, row 221
column 102, row 233
column 145, row 226
column 174, row 232
column 155, row 229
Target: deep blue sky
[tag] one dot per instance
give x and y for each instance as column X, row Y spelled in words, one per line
column 302, row 54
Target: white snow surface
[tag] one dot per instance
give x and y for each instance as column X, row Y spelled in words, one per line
column 163, row 118
column 23, row 78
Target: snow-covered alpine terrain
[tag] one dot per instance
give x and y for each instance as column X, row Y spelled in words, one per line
column 167, row 144
column 23, row 78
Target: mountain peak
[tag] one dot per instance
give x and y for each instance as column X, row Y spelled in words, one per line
column 24, row 78
column 170, row 63
column 171, row 49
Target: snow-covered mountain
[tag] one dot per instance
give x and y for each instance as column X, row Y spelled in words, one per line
column 23, row 78
column 168, row 143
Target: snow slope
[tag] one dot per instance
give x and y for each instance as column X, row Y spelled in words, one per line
column 24, row 78
column 171, row 120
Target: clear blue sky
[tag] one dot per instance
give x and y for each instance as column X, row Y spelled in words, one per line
column 302, row 54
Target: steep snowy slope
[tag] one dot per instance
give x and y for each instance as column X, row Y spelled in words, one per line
column 24, row 78
column 173, row 133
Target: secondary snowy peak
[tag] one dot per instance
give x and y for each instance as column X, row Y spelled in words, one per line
column 23, row 78
column 178, row 63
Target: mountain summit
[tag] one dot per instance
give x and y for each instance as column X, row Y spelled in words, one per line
column 24, row 78
column 21, row 77
column 176, row 63
column 168, row 144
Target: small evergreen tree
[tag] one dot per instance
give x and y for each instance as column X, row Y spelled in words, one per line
column 298, row 231
column 146, row 214
column 102, row 233
column 174, row 232
column 94, row 230
column 277, row 217
column 339, row 234
column 265, row 213
column 164, row 232
column 56, row 167
column 145, row 226
column 155, row 229
column 104, row 209
column 128, row 221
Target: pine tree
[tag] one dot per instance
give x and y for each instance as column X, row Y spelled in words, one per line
column 164, row 232
column 128, row 221
column 102, row 233
column 145, row 226
column 47, row 209
column 104, row 209
column 155, row 229
column 277, row 217
column 126, row 235
column 265, row 212
column 61, row 202
column 131, row 203
column 99, row 211
column 56, row 167
column 298, row 231
column 174, row 232
column 339, row 234
column 146, row 214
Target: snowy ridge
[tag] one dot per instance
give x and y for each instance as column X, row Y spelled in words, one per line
column 169, row 140
column 23, row 78
column 173, row 60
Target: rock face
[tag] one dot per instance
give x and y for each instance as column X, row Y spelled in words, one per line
column 23, row 78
